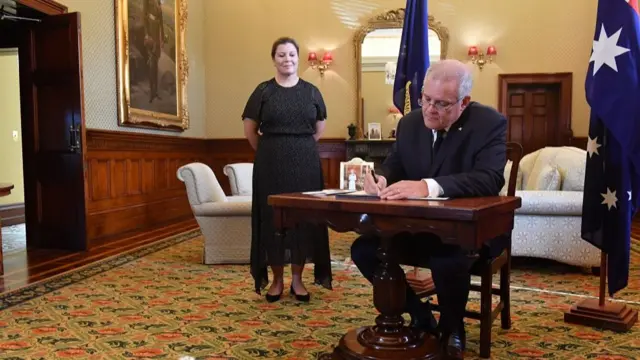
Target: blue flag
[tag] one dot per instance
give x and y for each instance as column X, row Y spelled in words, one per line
column 413, row 59
column 612, row 178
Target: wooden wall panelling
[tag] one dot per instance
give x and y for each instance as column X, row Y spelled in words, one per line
column 12, row 214
column 579, row 142
column 132, row 184
column 332, row 152
column 227, row 151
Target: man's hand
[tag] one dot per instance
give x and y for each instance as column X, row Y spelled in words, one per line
column 405, row 189
column 370, row 185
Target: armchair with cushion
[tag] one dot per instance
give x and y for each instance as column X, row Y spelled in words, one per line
column 225, row 221
column 550, row 182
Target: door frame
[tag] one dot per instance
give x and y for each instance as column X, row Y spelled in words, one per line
column 48, row 7
column 565, row 80
column 28, row 123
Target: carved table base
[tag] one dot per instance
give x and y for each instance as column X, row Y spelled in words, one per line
column 468, row 223
column 389, row 338
column 356, row 345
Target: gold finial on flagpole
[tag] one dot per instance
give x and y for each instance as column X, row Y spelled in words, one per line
column 407, row 98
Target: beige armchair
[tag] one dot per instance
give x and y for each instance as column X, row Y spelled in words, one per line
column 225, row 221
column 240, row 178
column 551, row 182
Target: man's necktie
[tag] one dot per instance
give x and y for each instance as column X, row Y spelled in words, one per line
column 439, row 139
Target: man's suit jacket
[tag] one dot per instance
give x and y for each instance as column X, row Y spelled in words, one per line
column 470, row 161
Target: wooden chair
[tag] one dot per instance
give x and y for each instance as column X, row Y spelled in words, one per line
column 485, row 267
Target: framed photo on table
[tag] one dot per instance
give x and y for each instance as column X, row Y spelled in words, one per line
column 152, row 67
column 352, row 173
column 374, row 131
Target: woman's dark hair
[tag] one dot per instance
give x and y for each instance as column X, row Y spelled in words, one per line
column 282, row 41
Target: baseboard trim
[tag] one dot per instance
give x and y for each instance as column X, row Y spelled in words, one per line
column 159, row 232
column 12, row 214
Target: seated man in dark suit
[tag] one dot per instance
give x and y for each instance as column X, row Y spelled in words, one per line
column 453, row 148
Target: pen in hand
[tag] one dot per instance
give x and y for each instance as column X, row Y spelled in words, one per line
column 375, row 178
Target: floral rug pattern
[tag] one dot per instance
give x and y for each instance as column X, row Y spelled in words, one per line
column 160, row 302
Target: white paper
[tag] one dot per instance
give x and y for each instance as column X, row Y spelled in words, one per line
column 363, row 193
column 328, row 192
column 428, row 198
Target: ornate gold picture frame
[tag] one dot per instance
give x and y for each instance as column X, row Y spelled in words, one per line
column 391, row 19
column 152, row 64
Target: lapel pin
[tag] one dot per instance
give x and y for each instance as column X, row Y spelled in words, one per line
column 460, row 128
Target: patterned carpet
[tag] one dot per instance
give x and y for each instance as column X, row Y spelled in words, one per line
column 161, row 303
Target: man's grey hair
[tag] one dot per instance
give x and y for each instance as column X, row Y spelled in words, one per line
column 451, row 70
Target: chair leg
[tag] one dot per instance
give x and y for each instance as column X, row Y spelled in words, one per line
column 505, row 293
column 485, row 313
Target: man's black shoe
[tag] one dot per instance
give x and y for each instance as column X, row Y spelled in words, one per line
column 454, row 345
column 425, row 321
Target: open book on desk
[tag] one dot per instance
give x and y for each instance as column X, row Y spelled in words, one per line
column 363, row 195
column 328, row 192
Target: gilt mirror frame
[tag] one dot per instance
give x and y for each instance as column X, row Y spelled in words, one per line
column 388, row 20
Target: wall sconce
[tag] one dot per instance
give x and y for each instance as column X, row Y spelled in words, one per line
column 321, row 65
column 478, row 57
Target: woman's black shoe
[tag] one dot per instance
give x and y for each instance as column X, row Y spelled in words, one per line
column 273, row 298
column 303, row 298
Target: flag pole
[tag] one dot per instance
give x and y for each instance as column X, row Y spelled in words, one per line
column 603, row 279
column 602, row 314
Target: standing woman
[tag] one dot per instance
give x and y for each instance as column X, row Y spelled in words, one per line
column 283, row 119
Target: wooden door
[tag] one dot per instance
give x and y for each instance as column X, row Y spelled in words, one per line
column 532, row 112
column 538, row 109
column 52, row 106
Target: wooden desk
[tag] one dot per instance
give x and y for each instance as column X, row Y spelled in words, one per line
column 466, row 222
column 5, row 190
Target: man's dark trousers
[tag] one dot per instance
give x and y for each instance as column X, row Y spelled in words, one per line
column 449, row 268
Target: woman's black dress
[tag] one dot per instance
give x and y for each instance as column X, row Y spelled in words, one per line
column 286, row 161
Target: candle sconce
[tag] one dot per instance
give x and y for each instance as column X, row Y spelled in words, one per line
column 478, row 57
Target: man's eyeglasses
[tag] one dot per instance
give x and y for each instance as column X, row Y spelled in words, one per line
column 440, row 105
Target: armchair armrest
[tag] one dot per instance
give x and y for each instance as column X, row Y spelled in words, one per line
column 240, row 178
column 234, row 208
column 541, row 202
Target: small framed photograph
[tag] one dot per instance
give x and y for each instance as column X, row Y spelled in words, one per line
column 352, row 174
column 374, row 131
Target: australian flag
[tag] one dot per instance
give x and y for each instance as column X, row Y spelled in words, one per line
column 413, row 59
column 612, row 179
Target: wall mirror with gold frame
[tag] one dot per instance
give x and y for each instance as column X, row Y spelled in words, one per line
column 377, row 44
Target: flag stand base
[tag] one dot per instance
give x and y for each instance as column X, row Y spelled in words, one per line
column 601, row 313
column 610, row 316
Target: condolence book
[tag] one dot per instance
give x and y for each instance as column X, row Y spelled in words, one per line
column 360, row 195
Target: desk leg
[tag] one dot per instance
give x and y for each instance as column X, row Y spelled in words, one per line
column 389, row 338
